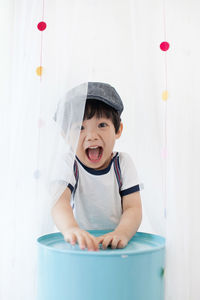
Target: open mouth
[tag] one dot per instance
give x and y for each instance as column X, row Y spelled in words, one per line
column 94, row 154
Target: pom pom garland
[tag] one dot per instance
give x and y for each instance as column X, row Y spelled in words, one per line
column 41, row 26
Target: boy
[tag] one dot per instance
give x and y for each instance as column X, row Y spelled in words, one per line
column 104, row 194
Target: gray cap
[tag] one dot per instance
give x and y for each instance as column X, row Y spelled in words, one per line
column 106, row 93
column 69, row 108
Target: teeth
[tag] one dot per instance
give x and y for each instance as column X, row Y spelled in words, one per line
column 94, row 147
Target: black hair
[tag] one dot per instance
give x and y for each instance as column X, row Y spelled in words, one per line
column 100, row 109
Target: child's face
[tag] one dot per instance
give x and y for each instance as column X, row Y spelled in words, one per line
column 96, row 142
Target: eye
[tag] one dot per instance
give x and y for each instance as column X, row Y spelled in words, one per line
column 82, row 127
column 102, row 125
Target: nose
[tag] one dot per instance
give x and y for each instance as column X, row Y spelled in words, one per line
column 92, row 135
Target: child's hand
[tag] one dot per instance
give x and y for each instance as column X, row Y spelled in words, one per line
column 113, row 239
column 83, row 238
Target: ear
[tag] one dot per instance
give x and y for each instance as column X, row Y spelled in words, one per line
column 118, row 134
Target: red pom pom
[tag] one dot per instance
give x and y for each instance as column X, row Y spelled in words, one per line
column 164, row 46
column 42, row 26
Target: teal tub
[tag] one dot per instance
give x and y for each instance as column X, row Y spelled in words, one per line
column 134, row 273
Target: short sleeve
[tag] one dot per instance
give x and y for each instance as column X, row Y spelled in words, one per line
column 62, row 177
column 130, row 180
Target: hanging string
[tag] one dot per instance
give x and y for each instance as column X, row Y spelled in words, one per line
column 164, row 46
column 41, row 26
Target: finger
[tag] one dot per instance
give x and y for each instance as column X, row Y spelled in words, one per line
column 81, row 241
column 100, row 239
column 91, row 245
column 121, row 244
column 72, row 239
column 107, row 241
column 96, row 245
column 115, row 242
column 95, row 242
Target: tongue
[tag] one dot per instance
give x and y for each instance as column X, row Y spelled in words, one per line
column 93, row 153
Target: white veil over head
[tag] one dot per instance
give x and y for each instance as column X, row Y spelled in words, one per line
column 68, row 118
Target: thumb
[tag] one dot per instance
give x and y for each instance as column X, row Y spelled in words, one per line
column 100, row 239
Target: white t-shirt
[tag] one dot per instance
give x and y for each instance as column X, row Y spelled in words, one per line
column 97, row 200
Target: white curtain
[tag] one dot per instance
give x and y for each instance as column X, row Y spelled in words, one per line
column 115, row 42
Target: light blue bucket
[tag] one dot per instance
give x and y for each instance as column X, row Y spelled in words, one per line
column 134, row 273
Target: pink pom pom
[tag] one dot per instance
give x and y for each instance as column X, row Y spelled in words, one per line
column 42, row 26
column 164, row 46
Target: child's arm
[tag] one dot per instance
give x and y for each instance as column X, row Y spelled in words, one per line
column 129, row 223
column 65, row 222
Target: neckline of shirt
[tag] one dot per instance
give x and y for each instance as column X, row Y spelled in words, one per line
column 97, row 172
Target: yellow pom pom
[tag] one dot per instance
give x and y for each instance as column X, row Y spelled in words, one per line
column 39, row 71
column 165, row 95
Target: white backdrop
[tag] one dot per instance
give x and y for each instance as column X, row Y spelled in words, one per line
column 115, row 42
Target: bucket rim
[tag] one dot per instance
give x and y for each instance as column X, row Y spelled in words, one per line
column 153, row 238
